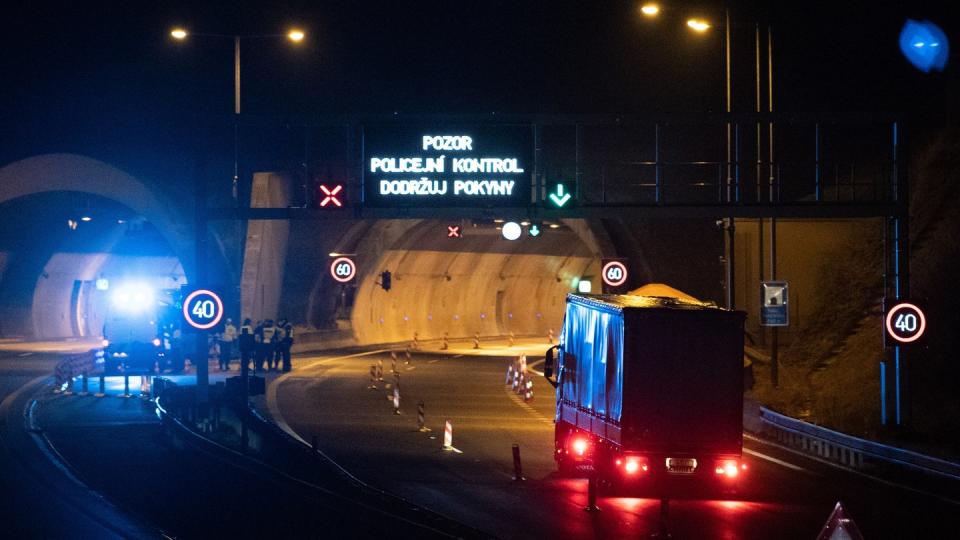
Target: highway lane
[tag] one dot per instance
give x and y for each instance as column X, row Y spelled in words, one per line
column 784, row 496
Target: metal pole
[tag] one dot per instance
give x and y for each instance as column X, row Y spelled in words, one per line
column 774, row 361
column 236, row 117
column 731, row 248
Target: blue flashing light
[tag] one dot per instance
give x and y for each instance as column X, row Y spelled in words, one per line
column 133, row 297
column 924, row 45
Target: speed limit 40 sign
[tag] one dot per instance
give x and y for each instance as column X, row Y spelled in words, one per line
column 904, row 323
column 202, row 309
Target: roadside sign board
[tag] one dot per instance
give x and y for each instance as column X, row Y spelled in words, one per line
column 774, row 303
column 202, row 308
column 343, row 269
column 614, row 274
column 904, row 323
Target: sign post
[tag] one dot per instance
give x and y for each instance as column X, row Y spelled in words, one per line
column 775, row 312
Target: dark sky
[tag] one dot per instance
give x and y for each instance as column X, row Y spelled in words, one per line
column 73, row 63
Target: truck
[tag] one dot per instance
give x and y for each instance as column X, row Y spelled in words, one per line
column 649, row 392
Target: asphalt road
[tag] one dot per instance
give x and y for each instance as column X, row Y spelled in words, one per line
column 782, row 496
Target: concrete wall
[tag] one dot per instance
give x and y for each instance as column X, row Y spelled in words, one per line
column 265, row 251
column 481, row 283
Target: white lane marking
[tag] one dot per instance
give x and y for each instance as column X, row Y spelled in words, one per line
column 530, row 367
column 411, row 368
column 457, row 356
column 452, row 449
column 432, row 361
column 21, row 355
column 852, row 471
column 773, row 460
column 525, row 406
column 271, row 396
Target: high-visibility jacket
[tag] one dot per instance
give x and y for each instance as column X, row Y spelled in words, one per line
column 268, row 333
column 229, row 333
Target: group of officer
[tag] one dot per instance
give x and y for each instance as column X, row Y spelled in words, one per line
column 267, row 344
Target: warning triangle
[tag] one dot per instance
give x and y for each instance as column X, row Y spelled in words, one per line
column 840, row 526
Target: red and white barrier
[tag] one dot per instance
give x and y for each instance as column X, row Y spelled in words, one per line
column 448, row 435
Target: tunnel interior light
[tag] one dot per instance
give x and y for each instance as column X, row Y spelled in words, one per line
column 102, row 284
column 178, row 33
column 86, row 218
column 295, row 35
column 698, row 25
column 584, row 286
column 650, row 10
column 511, row 230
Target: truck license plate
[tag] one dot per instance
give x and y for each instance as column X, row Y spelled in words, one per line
column 681, row 465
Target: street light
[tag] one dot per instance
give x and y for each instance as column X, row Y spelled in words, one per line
column 295, row 35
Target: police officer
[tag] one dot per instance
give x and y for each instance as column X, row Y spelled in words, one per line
column 247, row 345
column 260, row 348
column 227, row 339
column 270, row 340
column 286, row 341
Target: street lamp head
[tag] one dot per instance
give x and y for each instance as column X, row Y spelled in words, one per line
column 698, row 25
column 178, row 33
column 295, row 35
column 650, row 10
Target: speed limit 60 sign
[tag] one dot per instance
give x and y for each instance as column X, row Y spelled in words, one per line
column 202, row 308
column 343, row 269
column 613, row 272
column 904, row 323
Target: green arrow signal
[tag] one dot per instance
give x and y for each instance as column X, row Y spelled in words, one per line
column 533, row 230
column 560, row 198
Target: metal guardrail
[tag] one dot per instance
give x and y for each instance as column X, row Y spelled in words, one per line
column 846, row 450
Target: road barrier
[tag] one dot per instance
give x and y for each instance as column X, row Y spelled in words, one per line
column 511, row 340
column 102, row 391
column 476, row 340
column 421, row 425
column 845, row 450
column 83, row 388
column 446, row 342
column 406, row 359
column 396, row 399
column 126, row 385
column 379, row 369
column 448, row 435
column 416, row 343
column 592, row 494
column 72, row 366
column 393, row 361
column 373, row 378
column 517, row 467
column 528, row 390
column 509, row 373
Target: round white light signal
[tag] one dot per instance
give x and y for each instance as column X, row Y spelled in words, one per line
column 905, row 322
column 614, row 273
column 511, row 230
column 202, row 309
column 343, row 269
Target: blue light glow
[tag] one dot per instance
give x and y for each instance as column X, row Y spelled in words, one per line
column 925, row 45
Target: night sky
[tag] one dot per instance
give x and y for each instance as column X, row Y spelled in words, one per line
column 90, row 65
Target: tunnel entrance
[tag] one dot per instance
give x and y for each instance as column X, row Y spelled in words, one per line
column 64, row 253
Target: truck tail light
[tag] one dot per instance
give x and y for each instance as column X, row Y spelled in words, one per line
column 633, row 464
column 580, row 446
column 729, row 468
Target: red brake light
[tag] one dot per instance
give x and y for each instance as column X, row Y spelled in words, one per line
column 729, row 468
column 580, row 446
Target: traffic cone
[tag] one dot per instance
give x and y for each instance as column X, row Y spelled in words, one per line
column 406, row 359
column 416, row 342
column 393, row 361
column 446, row 344
column 396, row 400
column 528, row 394
column 509, row 374
column 379, row 369
column 511, row 339
column 476, row 340
column 550, row 336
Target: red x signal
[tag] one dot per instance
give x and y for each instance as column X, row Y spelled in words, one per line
column 453, row 231
column 330, row 195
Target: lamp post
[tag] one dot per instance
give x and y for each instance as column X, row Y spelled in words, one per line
column 294, row 35
column 200, row 218
column 700, row 25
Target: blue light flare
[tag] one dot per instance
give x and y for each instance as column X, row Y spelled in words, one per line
column 925, row 45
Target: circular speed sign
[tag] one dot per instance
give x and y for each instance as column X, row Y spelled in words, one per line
column 202, row 309
column 905, row 322
column 343, row 269
column 614, row 273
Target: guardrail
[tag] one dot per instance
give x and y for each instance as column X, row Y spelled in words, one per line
column 846, row 450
